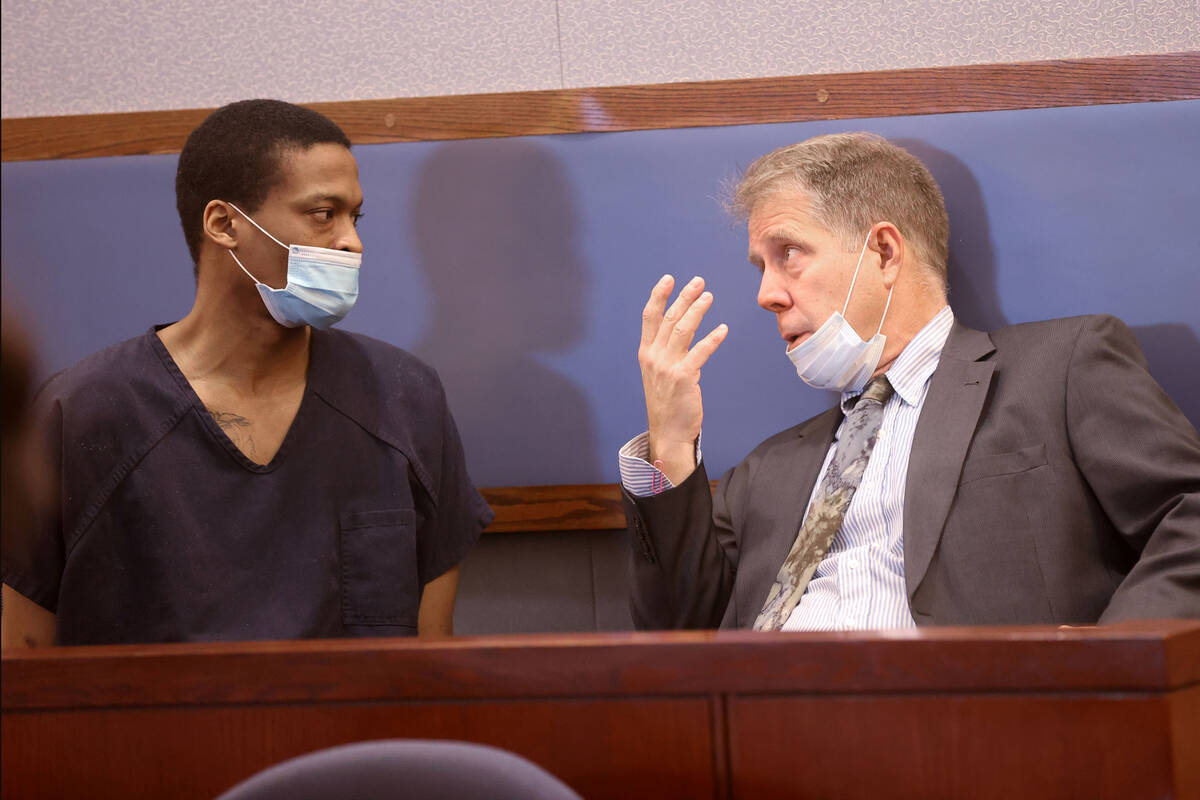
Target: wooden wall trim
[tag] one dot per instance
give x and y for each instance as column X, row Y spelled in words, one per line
column 579, row 507
column 934, row 90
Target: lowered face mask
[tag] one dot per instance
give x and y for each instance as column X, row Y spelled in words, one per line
column 322, row 284
column 835, row 357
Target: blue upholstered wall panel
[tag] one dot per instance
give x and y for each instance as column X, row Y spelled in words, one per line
column 519, row 267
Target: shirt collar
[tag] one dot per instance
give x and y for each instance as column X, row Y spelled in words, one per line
column 911, row 370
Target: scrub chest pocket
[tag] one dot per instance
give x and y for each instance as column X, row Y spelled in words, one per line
column 379, row 568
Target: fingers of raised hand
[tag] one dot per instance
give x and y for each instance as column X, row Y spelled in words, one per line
column 652, row 314
column 683, row 331
column 698, row 355
column 674, row 314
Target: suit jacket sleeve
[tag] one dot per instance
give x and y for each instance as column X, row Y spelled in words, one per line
column 1141, row 458
column 684, row 555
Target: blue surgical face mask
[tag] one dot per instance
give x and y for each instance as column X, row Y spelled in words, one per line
column 835, row 357
column 322, row 284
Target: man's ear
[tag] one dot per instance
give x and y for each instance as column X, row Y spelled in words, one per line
column 218, row 224
column 888, row 242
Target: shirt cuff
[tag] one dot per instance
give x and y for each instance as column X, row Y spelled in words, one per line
column 639, row 477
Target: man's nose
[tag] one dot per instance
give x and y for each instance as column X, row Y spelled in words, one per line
column 771, row 294
column 347, row 238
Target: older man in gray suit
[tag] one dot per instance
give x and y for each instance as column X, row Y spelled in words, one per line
column 1035, row 474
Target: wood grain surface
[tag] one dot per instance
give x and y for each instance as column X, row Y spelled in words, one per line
column 957, row 746
column 953, row 712
column 664, row 745
column 935, row 90
column 1135, row 657
column 579, row 507
column 565, row 507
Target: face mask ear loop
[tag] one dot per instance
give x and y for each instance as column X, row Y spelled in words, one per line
column 886, row 306
column 852, row 280
column 243, row 266
column 260, row 227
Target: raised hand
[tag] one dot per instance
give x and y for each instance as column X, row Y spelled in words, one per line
column 671, row 372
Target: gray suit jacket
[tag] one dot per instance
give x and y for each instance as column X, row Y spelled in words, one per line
column 1051, row 480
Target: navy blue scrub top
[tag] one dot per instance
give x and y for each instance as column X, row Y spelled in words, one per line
column 167, row 532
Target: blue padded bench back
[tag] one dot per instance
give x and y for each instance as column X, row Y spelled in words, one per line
column 519, row 267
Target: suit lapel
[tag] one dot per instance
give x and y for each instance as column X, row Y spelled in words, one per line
column 790, row 471
column 957, row 392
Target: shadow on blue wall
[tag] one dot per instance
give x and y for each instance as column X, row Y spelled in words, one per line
column 496, row 233
column 975, row 296
column 972, row 264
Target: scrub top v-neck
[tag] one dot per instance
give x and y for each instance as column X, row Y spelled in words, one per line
column 166, row 531
column 295, row 430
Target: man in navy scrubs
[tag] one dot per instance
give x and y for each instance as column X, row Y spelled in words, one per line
column 248, row 472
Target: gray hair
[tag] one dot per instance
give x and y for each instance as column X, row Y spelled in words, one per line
column 853, row 181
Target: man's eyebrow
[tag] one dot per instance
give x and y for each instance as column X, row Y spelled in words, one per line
column 325, row 197
column 787, row 233
column 782, row 233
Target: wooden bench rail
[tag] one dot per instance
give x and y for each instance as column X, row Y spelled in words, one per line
column 567, row 507
column 579, row 507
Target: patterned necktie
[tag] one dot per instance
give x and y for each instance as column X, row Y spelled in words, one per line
column 858, row 436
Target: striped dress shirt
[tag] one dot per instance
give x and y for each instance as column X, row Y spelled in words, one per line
column 860, row 582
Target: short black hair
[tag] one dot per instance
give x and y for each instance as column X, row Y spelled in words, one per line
column 235, row 154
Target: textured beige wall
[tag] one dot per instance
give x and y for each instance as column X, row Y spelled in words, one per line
column 85, row 56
